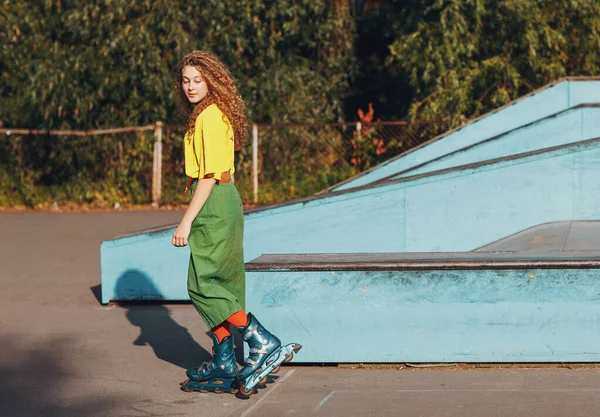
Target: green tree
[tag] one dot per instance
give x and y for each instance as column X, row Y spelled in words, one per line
column 377, row 24
column 108, row 63
column 466, row 57
column 294, row 58
column 92, row 64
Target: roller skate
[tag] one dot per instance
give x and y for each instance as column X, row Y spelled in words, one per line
column 265, row 356
column 219, row 374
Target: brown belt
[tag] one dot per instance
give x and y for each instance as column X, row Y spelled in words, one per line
column 225, row 178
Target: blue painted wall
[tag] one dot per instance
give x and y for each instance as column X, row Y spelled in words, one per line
column 144, row 267
column 455, row 211
column 432, row 316
column 531, row 108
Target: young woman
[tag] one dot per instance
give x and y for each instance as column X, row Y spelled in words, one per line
column 213, row 223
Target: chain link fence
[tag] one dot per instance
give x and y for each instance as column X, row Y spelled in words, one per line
column 76, row 168
column 297, row 160
column 141, row 165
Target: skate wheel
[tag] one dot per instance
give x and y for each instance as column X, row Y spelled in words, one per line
column 243, row 393
column 289, row 358
column 184, row 388
column 184, row 382
column 263, row 382
column 274, row 371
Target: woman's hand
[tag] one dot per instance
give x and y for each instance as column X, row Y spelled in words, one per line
column 203, row 190
column 180, row 237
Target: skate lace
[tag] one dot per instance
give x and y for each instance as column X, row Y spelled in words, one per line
column 254, row 353
column 248, row 334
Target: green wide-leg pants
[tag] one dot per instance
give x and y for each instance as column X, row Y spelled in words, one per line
column 216, row 275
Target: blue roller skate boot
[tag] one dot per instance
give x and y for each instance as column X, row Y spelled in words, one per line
column 265, row 356
column 219, row 374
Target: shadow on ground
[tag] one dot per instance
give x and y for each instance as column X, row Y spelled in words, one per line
column 170, row 341
column 97, row 291
column 37, row 381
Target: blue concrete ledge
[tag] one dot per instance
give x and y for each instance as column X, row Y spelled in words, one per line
column 364, row 314
column 545, row 102
column 458, row 209
column 450, row 210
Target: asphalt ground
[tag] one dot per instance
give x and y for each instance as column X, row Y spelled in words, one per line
column 64, row 354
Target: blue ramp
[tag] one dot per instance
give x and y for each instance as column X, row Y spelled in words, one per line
column 574, row 125
column 536, row 301
column 546, row 102
column 457, row 209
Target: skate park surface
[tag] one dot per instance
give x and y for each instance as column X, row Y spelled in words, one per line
column 65, row 354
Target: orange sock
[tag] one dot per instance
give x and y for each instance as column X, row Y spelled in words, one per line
column 239, row 319
column 221, row 331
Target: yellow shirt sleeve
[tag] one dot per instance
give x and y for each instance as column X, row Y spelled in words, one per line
column 216, row 133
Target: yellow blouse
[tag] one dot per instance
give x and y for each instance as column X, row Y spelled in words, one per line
column 210, row 151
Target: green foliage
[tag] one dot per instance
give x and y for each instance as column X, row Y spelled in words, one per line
column 90, row 64
column 466, row 57
column 110, row 63
column 34, row 174
column 377, row 83
column 294, row 58
column 67, row 64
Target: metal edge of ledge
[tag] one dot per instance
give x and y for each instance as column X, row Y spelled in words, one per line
column 424, row 265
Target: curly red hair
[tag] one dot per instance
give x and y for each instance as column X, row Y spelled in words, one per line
column 222, row 91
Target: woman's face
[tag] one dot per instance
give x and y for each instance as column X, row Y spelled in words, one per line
column 193, row 84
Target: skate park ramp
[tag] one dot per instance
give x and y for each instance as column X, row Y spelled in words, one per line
column 573, row 125
column 453, row 210
column 381, row 216
column 558, row 240
column 530, row 297
column 518, row 118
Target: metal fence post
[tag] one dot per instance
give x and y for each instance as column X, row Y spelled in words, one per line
column 157, row 165
column 255, row 161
